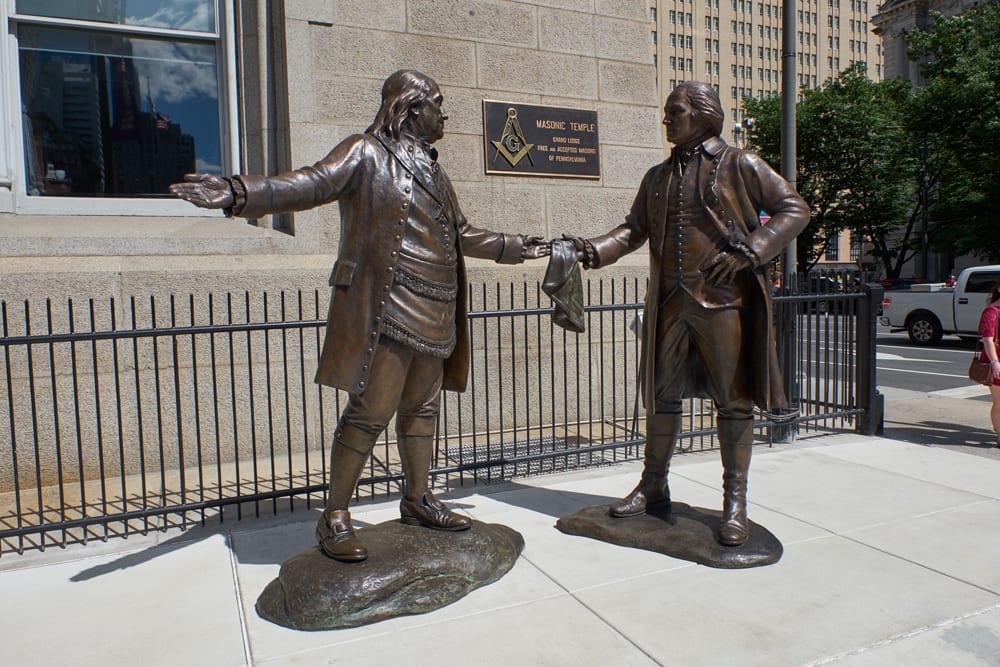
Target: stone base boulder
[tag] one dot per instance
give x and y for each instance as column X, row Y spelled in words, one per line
column 682, row 532
column 410, row 570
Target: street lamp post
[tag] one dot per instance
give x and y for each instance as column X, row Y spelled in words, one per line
column 789, row 93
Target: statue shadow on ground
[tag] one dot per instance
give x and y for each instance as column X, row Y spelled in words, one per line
column 276, row 537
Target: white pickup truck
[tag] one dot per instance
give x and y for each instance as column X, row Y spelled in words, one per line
column 928, row 311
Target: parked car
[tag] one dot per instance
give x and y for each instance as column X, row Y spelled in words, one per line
column 928, row 311
column 820, row 284
column 892, row 284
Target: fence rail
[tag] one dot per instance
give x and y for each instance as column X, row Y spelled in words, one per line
column 123, row 417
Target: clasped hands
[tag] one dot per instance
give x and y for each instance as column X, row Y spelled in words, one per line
column 720, row 269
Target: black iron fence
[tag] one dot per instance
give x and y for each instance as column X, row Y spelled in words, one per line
column 122, row 417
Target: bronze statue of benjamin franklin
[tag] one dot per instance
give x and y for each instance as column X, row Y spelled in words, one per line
column 397, row 329
column 707, row 327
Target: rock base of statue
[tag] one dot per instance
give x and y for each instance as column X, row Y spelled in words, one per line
column 410, row 570
column 682, row 531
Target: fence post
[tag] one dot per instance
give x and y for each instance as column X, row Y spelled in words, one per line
column 872, row 422
column 787, row 333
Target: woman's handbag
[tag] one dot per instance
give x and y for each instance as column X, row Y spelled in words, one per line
column 980, row 371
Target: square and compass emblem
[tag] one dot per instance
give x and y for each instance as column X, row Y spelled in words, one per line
column 536, row 140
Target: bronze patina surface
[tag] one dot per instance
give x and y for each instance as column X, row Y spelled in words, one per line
column 681, row 531
column 410, row 571
column 397, row 330
column 707, row 323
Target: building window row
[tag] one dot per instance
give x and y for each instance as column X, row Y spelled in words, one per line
column 681, row 18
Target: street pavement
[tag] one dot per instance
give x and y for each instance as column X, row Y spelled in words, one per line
column 890, row 557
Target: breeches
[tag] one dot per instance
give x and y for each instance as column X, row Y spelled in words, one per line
column 701, row 350
column 402, row 382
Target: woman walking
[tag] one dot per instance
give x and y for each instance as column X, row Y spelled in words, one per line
column 989, row 322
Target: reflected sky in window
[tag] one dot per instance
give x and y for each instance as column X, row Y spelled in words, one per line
column 196, row 15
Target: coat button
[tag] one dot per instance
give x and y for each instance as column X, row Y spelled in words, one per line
column 392, row 254
column 403, row 205
column 364, row 369
column 407, row 190
column 401, row 222
column 361, row 385
column 388, row 269
column 381, row 304
column 369, row 351
column 409, row 175
column 372, row 334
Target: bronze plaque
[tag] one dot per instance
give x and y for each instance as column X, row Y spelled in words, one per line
column 536, row 140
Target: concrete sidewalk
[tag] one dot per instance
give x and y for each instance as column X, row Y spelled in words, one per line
column 892, row 556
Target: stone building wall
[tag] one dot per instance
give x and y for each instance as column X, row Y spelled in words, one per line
column 311, row 72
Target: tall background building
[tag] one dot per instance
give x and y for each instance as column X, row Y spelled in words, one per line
column 736, row 46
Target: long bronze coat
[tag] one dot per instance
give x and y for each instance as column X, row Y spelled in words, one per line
column 737, row 185
column 373, row 178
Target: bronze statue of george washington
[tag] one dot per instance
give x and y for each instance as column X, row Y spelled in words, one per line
column 707, row 325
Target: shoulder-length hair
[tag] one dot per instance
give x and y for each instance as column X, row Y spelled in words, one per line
column 401, row 91
column 705, row 100
column 995, row 292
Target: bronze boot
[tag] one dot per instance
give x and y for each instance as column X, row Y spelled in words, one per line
column 334, row 532
column 652, row 490
column 419, row 507
column 337, row 539
column 736, row 445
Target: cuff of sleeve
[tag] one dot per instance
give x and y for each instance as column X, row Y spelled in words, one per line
column 513, row 249
column 749, row 254
column 239, row 197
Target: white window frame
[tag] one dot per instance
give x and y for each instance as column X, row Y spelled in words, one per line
column 13, row 182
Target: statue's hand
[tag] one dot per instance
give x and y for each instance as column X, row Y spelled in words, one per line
column 584, row 250
column 535, row 247
column 205, row 191
column 722, row 268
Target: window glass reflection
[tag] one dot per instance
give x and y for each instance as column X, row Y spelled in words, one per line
column 112, row 115
column 198, row 15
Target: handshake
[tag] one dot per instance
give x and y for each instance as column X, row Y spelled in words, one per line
column 719, row 269
column 566, row 247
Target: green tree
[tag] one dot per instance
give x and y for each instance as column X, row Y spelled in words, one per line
column 856, row 164
column 957, row 115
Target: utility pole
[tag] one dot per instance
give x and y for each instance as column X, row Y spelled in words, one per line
column 789, row 322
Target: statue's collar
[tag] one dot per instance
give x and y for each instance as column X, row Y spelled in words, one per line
column 713, row 145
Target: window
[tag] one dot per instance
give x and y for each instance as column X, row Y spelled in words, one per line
column 833, row 249
column 116, row 104
column 855, row 248
column 981, row 282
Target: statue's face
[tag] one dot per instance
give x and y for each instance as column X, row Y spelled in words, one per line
column 426, row 119
column 683, row 122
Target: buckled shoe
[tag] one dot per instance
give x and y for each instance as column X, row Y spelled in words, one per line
column 430, row 512
column 337, row 539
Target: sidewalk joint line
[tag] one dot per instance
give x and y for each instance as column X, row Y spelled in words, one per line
column 901, row 636
column 244, row 631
